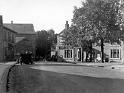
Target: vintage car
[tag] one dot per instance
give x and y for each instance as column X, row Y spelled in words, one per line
column 26, row 58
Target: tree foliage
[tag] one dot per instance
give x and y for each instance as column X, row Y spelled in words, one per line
column 100, row 19
column 45, row 40
column 96, row 20
column 41, row 43
column 69, row 36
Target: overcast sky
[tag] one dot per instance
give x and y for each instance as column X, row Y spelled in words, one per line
column 44, row 14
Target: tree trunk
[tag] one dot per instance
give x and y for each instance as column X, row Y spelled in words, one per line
column 102, row 50
column 91, row 51
column 87, row 56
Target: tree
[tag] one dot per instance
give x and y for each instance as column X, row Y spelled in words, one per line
column 45, row 41
column 69, row 36
column 52, row 40
column 73, row 37
column 100, row 20
column 52, row 37
column 41, row 43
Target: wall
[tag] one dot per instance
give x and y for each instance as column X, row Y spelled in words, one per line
column 28, row 43
column 107, row 51
column 9, row 44
column 1, row 40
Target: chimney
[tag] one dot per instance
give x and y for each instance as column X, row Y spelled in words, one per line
column 11, row 22
column 1, row 20
column 66, row 25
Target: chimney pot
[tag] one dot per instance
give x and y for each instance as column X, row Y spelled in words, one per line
column 66, row 25
column 1, row 20
column 11, row 22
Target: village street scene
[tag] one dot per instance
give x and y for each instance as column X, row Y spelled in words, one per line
column 85, row 56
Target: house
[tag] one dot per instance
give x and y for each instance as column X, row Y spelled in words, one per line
column 25, row 37
column 7, row 42
column 69, row 54
column 114, row 52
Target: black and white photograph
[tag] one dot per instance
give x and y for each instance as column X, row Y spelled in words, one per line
column 61, row 46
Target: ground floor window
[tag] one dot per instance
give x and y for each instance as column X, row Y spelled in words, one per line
column 68, row 53
column 114, row 53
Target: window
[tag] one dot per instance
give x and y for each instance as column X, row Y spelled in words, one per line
column 12, row 38
column 5, row 36
column 9, row 36
column 68, row 53
column 114, row 53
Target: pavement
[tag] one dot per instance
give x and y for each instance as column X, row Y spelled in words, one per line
column 4, row 69
column 99, row 64
column 114, row 66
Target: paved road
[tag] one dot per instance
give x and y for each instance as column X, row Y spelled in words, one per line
column 65, row 78
column 101, row 72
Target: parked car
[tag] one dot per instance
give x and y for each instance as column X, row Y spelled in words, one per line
column 26, row 58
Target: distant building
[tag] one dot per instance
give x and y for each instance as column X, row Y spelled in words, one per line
column 7, row 42
column 25, row 37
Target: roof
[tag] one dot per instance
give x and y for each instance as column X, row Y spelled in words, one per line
column 21, row 28
column 18, row 39
column 9, row 29
column 64, row 30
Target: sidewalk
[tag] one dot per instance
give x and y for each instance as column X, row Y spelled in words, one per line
column 99, row 64
column 110, row 66
column 4, row 69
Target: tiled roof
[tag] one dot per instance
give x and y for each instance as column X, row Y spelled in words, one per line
column 21, row 28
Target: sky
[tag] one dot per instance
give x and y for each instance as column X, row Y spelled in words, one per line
column 43, row 14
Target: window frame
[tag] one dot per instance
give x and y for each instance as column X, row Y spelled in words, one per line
column 68, row 53
column 115, row 53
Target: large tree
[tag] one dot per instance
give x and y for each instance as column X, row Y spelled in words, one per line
column 41, row 43
column 101, row 20
column 45, row 40
column 52, row 39
column 70, row 36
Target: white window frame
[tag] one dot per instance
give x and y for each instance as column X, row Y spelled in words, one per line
column 116, row 55
column 68, row 53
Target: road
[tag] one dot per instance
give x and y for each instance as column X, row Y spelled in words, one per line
column 65, row 78
column 100, row 72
